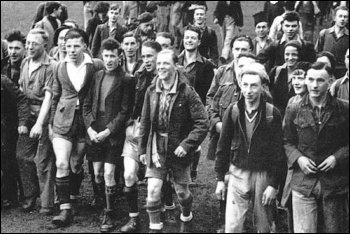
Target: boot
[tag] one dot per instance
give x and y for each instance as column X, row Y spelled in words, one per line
column 170, row 218
column 108, row 223
column 132, row 226
column 64, row 219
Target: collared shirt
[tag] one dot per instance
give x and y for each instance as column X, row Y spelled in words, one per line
column 190, row 66
column 258, row 46
column 276, row 27
column 297, row 38
column 318, row 111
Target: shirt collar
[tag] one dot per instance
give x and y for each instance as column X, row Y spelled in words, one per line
column 87, row 59
column 173, row 90
column 199, row 57
column 345, row 31
column 284, row 39
column 345, row 78
column 45, row 60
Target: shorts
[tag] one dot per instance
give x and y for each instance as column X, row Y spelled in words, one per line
column 77, row 132
column 103, row 152
column 130, row 149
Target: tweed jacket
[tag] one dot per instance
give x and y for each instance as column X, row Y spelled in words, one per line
column 65, row 96
column 46, row 25
column 118, row 104
column 188, row 122
column 304, row 136
column 102, row 33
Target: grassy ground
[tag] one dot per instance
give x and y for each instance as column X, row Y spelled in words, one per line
column 19, row 14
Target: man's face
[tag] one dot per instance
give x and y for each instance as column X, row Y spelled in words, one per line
column 149, row 57
column 241, row 62
column 75, row 48
column 60, row 42
column 164, row 42
column 251, row 87
column 298, row 82
column 347, row 60
column 147, row 28
column 110, row 59
column 199, row 16
column 291, row 56
column 58, row 12
column 341, row 18
column 318, row 82
column 191, row 40
column 130, row 46
column 35, row 46
column 262, row 29
column 16, row 51
column 324, row 59
column 240, row 47
column 165, row 66
column 290, row 28
column 113, row 16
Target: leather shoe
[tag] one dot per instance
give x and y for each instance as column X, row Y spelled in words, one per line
column 132, row 226
column 29, row 205
column 64, row 218
column 170, row 218
column 108, row 223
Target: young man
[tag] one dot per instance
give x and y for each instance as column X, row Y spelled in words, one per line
column 36, row 83
column 99, row 17
column 317, row 146
column 209, row 41
column 262, row 40
column 111, row 29
column 273, row 55
column 50, row 22
column 107, row 107
column 200, row 74
column 129, row 58
column 145, row 31
column 144, row 79
column 11, row 66
column 340, row 88
column 336, row 39
column 228, row 14
column 166, row 40
column 251, row 147
column 173, row 125
column 72, row 79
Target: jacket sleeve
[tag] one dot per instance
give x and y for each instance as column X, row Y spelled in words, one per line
column 56, row 92
column 291, row 137
column 239, row 22
column 200, row 120
column 342, row 154
column 214, row 51
column 88, row 116
column 214, row 111
column 223, row 152
column 311, row 53
column 268, row 54
column 145, row 125
column 320, row 41
column 215, row 83
column 96, row 42
column 118, row 123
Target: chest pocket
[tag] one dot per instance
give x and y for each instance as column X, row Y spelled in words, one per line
column 229, row 95
column 307, row 130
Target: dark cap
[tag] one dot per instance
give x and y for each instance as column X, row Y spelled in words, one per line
column 260, row 17
column 145, row 17
column 101, row 7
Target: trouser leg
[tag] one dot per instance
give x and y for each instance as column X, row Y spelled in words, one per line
column 304, row 213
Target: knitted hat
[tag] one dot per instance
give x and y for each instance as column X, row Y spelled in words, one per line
column 260, row 17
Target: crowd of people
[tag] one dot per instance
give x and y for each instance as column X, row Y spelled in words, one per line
column 137, row 101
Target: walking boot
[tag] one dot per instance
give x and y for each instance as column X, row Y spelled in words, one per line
column 29, row 204
column 108, row 223
column 64, row 219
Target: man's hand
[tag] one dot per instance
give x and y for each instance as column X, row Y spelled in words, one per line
column 92, row 134
column 269, row 196
column 102, row 136
column 216, row 21
column 36, row 131
column 143, row 159
column 180, row 152
column 218, row 127
column 307, row 165
column 155, row 160
column 328, row 164
column 220, row 190
column 22, row 130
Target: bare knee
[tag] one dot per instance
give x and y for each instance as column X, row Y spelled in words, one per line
column 154, row 193
column 130, row 177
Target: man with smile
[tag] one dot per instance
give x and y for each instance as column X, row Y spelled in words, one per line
column 262, row 39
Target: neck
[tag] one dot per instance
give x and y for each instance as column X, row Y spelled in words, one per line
column 338, row 29
column 198, row 24
column 250, row 106
column 79, row 61
column 190, row 55
column 40, row 58
column 53, row 15
column 131, row 59
column 112, row 24
column 262, row 38
column 320, row 101
column 169, row 82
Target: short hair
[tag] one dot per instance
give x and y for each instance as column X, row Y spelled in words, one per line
column 168, row 36
column 153, row 44
column 248, row 55
column 194, row 29
column 330, row 57
column 110, row 44
column 340, row 8
column 172, row 52
column 114, row 7
column 243, row 38
column 321, row 66
column 16, row 35
column 72, row 22
column 74, row 33
column 52, row 6
column 38, row 31
column 255, row 69
column 129, row 34
column 57, row 33
column 290, row 17
column 298, row 72
column 294, row 43
column 289, row 5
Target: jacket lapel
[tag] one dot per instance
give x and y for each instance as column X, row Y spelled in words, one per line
column 65, row 74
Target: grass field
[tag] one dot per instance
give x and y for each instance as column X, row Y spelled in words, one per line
column 19, row 14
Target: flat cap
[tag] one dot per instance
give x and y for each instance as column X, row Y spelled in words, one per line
column 145, row 17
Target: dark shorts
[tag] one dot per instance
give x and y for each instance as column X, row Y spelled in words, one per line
column 103, row 152
column 77, row 132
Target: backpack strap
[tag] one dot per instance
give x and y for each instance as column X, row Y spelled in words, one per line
column 278, row 72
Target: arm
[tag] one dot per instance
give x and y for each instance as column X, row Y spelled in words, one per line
column 145, row 125
column 320, row 41
column 56, row 93
column 274, row 29
column 37, row 129
column 214, row 51
column 88, row 116
column 96, row 42
column 215, row 83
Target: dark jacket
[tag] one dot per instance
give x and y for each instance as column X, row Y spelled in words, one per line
column 234, row 10
column 265, row 153
column 305, row 137
column 65, row 96
column 201, row 74
column 118, row 104
column 11, row 71
column 102, row 33
column 91, row 28
column 188, row 122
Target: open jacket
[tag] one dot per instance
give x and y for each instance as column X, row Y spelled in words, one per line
column 265, row 152
column 305, row 137
column 188, row 122
column 118, row 104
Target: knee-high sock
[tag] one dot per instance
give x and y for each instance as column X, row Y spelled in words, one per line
column 132, row 196
column 110, row 197
column 167, row 192
column 75, row 182
column 153, row 209
column 63, row 190
column 186, row 205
